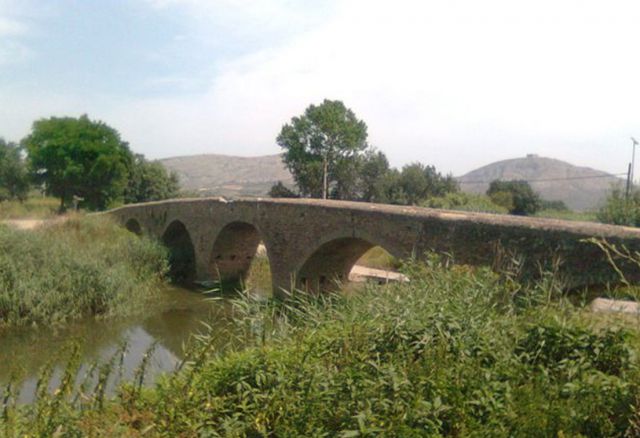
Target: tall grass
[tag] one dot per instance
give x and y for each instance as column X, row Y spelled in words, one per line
column 457, row 351
column 80, row 267
column 35, row 207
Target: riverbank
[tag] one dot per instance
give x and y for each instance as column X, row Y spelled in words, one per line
column 455, row 351
column 85, row 266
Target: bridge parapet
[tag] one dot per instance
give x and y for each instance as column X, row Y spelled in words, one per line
column 312, row 242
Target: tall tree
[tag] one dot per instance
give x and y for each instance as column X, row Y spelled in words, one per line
column 150, row 181
column 79, row 157
column 321, row 144
column 14, row 177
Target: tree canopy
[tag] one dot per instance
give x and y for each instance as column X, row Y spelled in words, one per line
column 14, row 177
column 516, row 196
column 322, row 146
column 150, row 181
column 79, row 157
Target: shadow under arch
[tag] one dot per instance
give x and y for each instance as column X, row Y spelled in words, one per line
column 182, row 258
column 331, row 263
column 134, row 226
column 233, row 252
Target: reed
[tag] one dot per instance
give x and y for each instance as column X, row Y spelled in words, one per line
column 85, row 266
column 457, row 351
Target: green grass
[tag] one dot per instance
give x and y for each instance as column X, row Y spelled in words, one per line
column 35, row 207
column 378, row 258
column 82, row 267
column 259, row 276
column 568, row 215
column 455, row 352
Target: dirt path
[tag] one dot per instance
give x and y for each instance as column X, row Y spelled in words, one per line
column 30, row 224
column 24, row 224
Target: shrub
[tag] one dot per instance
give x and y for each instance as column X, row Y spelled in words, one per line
column 465, row 202
column 620, row 210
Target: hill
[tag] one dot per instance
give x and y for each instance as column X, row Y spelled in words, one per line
column 213, row 174
column 580, row 188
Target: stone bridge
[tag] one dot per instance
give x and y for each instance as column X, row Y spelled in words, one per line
column 311, row 243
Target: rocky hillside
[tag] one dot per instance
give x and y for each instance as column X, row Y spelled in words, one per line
column 581, row 188
column 225, row 175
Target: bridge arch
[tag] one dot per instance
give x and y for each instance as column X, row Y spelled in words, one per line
column 182, row 258
column 234, row 250
column 332, row 260
column 134, row 226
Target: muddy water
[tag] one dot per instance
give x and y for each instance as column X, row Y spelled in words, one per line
column 168, row 324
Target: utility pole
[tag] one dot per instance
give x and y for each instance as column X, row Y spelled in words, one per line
column 633, row 159
column 632, row 167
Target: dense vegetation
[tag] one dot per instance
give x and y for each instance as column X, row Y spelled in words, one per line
column 516, row 196
column 326, row 151
column 620, row 209
column 456, row 351
column 83, row 163
column 79, row 267
column 14, row 178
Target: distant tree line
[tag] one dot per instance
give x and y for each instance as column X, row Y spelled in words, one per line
column 83, row 161
column 326, row 151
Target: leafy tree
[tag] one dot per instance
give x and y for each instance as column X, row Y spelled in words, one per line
column 373, row 171
column 279, row 190
column 516, row 196
column 150, row 181
column 620, row 210
column 420, row 182
column 321, row 147
column 14, row 178
column 79, row 157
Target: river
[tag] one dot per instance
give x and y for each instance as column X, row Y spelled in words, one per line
column 169, row 324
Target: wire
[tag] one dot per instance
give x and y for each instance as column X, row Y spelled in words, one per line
column 613, row 175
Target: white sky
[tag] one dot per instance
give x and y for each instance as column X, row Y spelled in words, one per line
column 453, row 83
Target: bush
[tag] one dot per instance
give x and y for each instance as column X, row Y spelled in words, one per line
column 465, row 202
column 81, row 267
column 516, row 196
column 620, row 210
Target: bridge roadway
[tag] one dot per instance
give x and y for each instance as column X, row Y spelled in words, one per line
column 311, row 243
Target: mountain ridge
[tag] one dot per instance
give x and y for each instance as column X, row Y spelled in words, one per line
column 580, row 188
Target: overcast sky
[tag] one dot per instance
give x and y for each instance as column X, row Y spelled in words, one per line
column 454, row 83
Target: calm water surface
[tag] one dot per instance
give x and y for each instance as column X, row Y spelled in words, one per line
column 169, row 324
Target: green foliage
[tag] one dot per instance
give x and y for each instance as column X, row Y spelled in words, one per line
column 79, row 157
column 448, row 353
column 465, row 202
column 279, row 190
column 374, row 166
column 34, row 207
column 568, row 215
column 620, row 210
column 150, row 181
column 320, row 146
column 553, row 205
column 378, row 258
column 414, row 185
column 516, row 196
column 80, row 267
column 14, row 178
